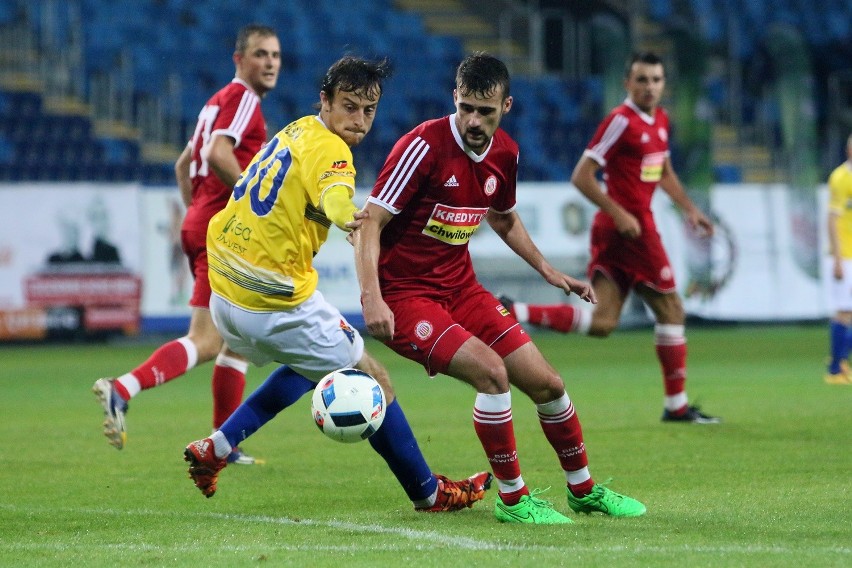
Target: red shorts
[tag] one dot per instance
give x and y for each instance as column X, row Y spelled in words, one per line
column 629, row 262
column 431, row 331
column 195, row 247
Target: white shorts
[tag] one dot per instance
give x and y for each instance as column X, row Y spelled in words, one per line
column 313, row 339
column 839, row 291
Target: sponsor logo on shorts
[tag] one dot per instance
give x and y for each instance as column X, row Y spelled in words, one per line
column 454, row 225
column 490, row 185
column 423, row 330
column 347, row 331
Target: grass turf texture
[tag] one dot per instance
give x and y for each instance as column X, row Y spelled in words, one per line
column 768, row 487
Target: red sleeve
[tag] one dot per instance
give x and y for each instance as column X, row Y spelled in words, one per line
column 606, row 140
column 236, row 109
column 408, row 163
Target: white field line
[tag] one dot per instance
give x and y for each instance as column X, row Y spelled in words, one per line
column 425, row 540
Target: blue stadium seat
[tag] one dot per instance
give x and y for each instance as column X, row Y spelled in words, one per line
column 8, row 151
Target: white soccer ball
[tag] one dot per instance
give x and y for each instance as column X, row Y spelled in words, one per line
column 348, row 405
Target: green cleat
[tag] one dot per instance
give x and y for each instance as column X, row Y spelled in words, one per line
column 607, row 502
column 530, row 509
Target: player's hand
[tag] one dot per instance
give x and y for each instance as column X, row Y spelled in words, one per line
column 583, row 289
column 627, row 225
column 837, row 271
column 357, row 217
column 700, row 223
column 571, row 285
column 378, row 319
column 352, row 225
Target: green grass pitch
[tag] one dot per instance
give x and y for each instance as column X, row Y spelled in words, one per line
column 771, row 486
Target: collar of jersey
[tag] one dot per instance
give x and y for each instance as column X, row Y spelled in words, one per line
column 470, row 153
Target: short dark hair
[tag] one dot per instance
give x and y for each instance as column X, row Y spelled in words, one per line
column 249, row 30
column 480, row 74
column 647, row 57
column 356, row 75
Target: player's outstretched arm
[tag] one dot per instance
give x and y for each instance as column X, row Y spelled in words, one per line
column 378, row 318
column 510, row 228
column 670, row 182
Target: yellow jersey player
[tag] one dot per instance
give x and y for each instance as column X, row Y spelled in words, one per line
column 265, row 301
column 840, row 248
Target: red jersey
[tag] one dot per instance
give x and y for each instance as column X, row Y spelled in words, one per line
column 631, row 147
column 233, row 111
column 439, row 194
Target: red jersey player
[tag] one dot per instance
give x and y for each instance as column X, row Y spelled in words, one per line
column 632, row 147
column 421, row 296
column 229, row 132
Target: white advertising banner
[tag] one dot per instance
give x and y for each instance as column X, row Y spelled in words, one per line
column 73, row 257
column 168, row 280
column 763, row 263
column 69, row 259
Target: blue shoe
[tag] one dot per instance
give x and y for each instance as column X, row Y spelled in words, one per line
column 115, row 407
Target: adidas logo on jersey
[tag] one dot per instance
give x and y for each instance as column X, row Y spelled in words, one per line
column 452, row 182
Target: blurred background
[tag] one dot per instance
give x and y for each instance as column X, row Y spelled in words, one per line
column 104, row 94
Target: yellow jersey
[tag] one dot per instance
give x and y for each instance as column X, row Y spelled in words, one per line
column 260, row 247
column 840, row 204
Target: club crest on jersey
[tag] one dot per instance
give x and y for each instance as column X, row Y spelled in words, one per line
column 454, row 225
column 423, row 330
column 501, row 309
column 347, row 331
column 339, row 165
column 490, row 185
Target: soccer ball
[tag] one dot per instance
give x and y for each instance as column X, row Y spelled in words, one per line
column 348, row 405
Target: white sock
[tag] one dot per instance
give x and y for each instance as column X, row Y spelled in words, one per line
column 584, row 320
column 221, row 446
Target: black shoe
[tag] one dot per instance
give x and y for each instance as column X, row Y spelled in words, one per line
column 693, row 414
column 507, row 302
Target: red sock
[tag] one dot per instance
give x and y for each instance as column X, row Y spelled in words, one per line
column 492, row 421
column 582, row 489
column 558, row 317
column 562, row 429
column 514, row 497
column 228, row 385
column 671, row 351
column 166, row 363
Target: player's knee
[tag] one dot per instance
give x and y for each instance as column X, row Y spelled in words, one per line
column 543, row 386
column 602, row 327
column 378, row 372
column 208, row 345
column 491, row 377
